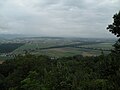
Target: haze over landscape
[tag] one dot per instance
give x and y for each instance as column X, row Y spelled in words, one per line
column 61, row 18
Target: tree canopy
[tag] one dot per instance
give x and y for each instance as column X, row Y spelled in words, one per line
column 115, row 27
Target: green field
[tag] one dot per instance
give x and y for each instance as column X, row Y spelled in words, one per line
column 58, row 47
column 65, row 47
column 100, row 45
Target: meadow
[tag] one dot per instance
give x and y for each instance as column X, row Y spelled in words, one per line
column 55, row 47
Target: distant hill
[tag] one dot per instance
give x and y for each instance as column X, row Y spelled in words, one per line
column 10, row 36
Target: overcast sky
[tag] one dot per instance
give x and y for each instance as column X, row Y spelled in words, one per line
column 75, row 18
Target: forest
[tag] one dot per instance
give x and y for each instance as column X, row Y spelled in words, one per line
column 9, row 47
column 40, row 72
column 32, row 72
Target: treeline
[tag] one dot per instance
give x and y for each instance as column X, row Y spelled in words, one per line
column 9, row 47
column 32, row 72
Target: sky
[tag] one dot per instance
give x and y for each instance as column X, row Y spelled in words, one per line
column 61, row 18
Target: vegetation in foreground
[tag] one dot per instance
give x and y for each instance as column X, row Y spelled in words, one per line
column 73, row 73
column 32, row 72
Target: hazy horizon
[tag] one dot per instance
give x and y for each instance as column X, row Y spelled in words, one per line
column 58, row 18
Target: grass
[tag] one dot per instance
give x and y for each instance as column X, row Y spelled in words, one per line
column 34, row 47
column 65, row 52
column 61, row 52
column 100, row 46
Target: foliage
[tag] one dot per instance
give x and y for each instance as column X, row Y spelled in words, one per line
column 115, row 29
column 32, row 72
column 9, row 47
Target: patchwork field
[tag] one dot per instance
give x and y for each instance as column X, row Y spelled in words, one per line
column 56, row 47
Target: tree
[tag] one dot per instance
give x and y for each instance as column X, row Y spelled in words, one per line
column 115, row 29
column 113, row 66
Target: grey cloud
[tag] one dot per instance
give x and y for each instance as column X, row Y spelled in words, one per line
column 81, row 18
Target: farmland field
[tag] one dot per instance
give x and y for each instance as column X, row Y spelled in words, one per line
column 100, row 45
column 57, row 47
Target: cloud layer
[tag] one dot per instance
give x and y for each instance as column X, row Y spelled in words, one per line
column 76, row 18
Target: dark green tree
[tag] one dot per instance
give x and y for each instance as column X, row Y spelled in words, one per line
column 115, row 29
